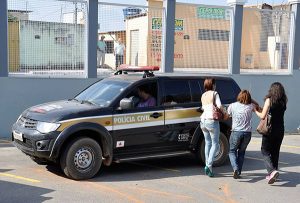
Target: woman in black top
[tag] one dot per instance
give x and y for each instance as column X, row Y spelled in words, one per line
column 275, row 105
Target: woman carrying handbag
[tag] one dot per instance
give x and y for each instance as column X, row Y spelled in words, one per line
column 275, row 105
column 210, row 127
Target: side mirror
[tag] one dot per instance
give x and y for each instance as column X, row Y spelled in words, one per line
column 126, row 103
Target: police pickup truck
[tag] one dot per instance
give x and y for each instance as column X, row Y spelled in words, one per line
column 105, row 123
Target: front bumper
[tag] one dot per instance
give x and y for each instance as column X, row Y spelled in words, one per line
column 34, row 143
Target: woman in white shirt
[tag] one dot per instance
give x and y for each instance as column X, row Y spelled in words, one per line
column 241, row 113
column 209, row 126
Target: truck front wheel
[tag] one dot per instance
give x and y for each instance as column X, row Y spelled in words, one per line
column 81, row 159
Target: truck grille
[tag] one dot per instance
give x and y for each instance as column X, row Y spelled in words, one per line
column 26, row 143
column 27, row 123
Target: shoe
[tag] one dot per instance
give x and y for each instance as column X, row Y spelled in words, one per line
column 273, row 176
column 210, row 174
column 236, row 174
column 206, row 170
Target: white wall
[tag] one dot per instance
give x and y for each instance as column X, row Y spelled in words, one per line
column 46, row 50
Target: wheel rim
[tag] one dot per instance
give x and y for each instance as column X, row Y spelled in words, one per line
column 83, row 158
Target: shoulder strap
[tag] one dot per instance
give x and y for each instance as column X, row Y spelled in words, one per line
column 214, row 98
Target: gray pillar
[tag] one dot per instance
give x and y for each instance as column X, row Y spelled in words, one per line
column 168, row 36
column 91, row 38
column 3, row 39
column 236, row 35
column 295, row 40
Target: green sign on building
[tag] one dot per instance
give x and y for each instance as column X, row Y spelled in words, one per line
column 157, row 24
column 212, row 13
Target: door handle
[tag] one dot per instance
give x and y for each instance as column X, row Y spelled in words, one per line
column 156, row 115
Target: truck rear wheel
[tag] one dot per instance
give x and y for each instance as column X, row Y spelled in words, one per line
column 81, row 159
column 221, row 156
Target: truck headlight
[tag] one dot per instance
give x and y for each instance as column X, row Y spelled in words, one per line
column 45, row 127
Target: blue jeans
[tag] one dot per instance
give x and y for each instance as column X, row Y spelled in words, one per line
column 238, row 143
column 211, row 132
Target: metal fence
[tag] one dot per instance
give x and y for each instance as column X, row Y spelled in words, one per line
column 46, row 38
column 265, row 40
column 132, row 35
column 202, row 37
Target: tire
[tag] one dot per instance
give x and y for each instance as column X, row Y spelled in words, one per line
column 81, row 159
column 222, row 154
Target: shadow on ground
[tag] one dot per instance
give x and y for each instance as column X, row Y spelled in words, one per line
column 15, row 192
column 189, row 166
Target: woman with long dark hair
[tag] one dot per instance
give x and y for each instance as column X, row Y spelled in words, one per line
column 275, row 105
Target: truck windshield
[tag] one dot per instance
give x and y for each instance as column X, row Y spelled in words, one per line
column 102, row 93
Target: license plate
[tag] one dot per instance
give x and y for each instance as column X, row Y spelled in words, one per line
column 18, row 136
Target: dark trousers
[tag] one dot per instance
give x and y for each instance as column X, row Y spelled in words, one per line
column 119, row 60
column 238, row 144
column 270, row 148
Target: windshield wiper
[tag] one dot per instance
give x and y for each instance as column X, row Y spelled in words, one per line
column 88, row 102
column 73, row 99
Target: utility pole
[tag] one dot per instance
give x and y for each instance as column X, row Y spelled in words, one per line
column 61, row 14
column 75, row 14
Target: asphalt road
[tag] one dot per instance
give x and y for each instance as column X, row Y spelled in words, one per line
column 178, row 179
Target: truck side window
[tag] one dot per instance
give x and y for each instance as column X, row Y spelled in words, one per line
column 178, row 90
column 144, row 95
column 195, row 90
column 227, row 91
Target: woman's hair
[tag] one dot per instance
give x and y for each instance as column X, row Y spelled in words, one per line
column 277, row 94
column 144, row 88
column 209, row 84
column 244, row 97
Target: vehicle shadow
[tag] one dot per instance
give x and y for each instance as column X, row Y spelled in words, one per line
column 5, row 170
column 144, row 170
column 189, row 166
column 151, row 169
column 15, row 192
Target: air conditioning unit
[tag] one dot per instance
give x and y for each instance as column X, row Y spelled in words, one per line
column 277, row 49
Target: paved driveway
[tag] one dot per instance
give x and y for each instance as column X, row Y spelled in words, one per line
column 178, row 179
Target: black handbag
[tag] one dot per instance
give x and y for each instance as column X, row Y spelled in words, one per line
column 264, row 127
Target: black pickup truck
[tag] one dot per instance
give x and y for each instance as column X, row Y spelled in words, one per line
column 103, row 123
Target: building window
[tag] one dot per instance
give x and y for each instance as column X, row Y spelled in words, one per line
column 61, row 40
column 69, row 40
column 216, row 35
column 37, row 37
column 109, row 47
